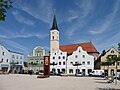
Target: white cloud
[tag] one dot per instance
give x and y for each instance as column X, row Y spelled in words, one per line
column 72, row 15
column 3, row 36
column 23, row 34
column 106, row 23
column 14, row 45
column 85, row 7
column 27, row 35
column 82, row 11
column 41, row 9
column 22, row 19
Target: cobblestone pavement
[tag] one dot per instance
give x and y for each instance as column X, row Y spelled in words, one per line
column 31, row 82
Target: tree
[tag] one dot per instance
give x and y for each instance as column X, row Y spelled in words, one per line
column 107, row 62
column 4, row 6
column 115, row 59
column 119, row 47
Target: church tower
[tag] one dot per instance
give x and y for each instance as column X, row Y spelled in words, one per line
column 54, row 36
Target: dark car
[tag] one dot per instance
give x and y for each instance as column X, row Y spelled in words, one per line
column 53, row 73
column 21, row 72
column 30, row 72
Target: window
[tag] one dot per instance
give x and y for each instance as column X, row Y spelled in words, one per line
column 71, row 62
column 79, row 51
column 88, row 63
column 76, row 62
column 63, row 63
column 111, row 56
column 55, row 53
column 118, row 63
column 59, row 57
column 17, row 56
column 112, row 51
column 53, row 57
column 70, row 71
column 20, row 62
column 53, row 37
column 83, row 56
column 63, row 57
column 83, row 63
column 1, row 60
column 7, row 60
column 3, row 53
column 59, row 63
column 13, row 56
column 76, row 56
column 63, row 70
column 61, row 53
column 52, row 32
column 20, row 57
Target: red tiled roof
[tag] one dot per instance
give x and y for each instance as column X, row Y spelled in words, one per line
column 88, row 46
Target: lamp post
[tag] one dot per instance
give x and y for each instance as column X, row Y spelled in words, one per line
column 53, row 66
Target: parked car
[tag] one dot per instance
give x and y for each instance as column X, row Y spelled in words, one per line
column 30, row 72
column 80, row 74
column 96, row 73
column 59, row 74
column 52, row 73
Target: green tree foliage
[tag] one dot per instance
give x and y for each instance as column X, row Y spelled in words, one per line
column 119, row 47
column 4, row 6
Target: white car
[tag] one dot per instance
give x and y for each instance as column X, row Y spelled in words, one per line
column 80, row 74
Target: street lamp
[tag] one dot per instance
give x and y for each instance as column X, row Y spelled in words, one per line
column 53, row 66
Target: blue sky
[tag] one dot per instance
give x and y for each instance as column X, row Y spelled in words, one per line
column 28, row 23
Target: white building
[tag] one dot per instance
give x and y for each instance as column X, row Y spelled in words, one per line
column 10, row 61
column 58, row 61
column 4, row 59
column 16, row 61
column 36, row 59
column 85, row 61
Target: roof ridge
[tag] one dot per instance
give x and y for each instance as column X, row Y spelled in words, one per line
column 75, row 44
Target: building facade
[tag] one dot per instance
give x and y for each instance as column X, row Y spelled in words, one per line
column 16, row 61
column 80, row 61
column 4, row 59
column 111, row 69
column 36, row 59
column 58, row 61
column 10, row 61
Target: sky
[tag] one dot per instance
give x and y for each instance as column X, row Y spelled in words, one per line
column 29, row 22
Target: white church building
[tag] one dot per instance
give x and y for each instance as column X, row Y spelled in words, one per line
column 63, row 57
